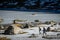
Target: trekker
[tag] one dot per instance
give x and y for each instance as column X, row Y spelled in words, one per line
column 44, row 31
column 39, row 30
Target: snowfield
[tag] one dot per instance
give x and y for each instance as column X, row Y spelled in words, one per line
column 33, row 30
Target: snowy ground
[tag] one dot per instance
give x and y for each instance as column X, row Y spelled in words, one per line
column 30, row 31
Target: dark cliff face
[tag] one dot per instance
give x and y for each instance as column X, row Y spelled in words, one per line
column 28, row 5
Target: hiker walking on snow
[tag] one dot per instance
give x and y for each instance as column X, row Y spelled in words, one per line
column 39, row 30
column 44, row 31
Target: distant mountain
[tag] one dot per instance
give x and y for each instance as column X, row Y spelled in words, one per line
column 31, row 5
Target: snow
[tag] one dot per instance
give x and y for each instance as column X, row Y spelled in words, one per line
column 30, row 31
